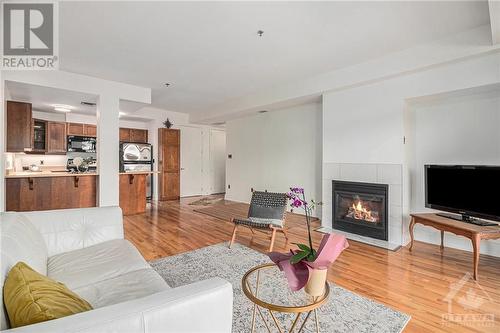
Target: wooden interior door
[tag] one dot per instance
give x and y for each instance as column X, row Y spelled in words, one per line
column 169, row 163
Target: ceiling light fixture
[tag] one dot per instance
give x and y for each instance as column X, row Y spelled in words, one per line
column 263, row 111
column 260, row 33
column 62, row 108
column 121, row 113
column 87, row 103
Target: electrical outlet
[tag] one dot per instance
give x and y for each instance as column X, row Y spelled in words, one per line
column 228, row 186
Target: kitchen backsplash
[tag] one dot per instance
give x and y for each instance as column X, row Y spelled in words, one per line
column 48, row 160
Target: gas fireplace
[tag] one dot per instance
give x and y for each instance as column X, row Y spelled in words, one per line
column 360, row 208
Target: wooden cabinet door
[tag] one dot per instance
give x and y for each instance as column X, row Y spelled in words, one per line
column 169, row 163
column 44, row 193
column 90, row 130
column 19, row 127
column 56, row 137
column 124, row 134
column 133, row 194
column 138, row 135
column 75, row 129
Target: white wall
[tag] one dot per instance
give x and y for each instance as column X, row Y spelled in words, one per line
column 461, row 130
column 274, row 151
column 366, row 124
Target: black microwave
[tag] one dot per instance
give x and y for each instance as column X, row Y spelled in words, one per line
column 81, row 144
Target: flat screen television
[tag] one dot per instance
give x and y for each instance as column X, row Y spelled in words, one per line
column 469, row 190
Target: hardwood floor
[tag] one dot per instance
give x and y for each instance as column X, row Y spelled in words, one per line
column 415, row 283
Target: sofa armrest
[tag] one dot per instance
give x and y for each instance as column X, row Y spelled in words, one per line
column 205, row 306
column 72, row 229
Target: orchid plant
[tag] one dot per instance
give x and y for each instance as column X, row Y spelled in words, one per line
column 297, row 199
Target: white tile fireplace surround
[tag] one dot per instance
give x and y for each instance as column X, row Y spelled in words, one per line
column 390, row 174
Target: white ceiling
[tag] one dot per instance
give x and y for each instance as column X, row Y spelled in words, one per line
column 210, row 51
column 44, row 98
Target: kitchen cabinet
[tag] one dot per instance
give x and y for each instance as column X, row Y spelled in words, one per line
column 75, row 129
column 133, row 135
column 81, row 129
column 19, row 127
column 169, row 163
column 138, row 135
column 39, row 136
column 133, row 193
column 56, row 137
column 90, row 130
column 45, row 193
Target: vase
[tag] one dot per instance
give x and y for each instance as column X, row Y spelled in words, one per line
column 315, row 285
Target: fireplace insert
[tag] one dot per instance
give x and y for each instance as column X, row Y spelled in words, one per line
column 360, row 208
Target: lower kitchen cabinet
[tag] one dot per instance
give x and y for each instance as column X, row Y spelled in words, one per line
column 45, row 193
column 133, row 193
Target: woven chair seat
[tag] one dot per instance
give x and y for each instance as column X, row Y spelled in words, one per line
column 259, row 223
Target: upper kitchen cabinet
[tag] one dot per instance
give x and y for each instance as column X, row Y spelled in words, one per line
column 133, row 135
column 81, row 129
column 138, row 135
column 90, row 130
column 56, row 137
column 19, row 127
column 75, row 129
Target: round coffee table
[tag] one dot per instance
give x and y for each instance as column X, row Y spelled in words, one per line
column 266, row 286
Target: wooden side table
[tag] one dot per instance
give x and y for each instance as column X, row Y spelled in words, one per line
column 474, row 232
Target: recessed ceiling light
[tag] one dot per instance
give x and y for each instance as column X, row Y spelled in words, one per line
column 62, row 108
column 166, row 84
column 121, row 113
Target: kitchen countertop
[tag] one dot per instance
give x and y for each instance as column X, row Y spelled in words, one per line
column 138, row 173
column 47, row 173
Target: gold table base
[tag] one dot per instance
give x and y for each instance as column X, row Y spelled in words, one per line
column 260, row 305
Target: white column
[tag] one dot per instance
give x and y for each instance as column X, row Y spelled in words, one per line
column 108, row 149
column 3, row 130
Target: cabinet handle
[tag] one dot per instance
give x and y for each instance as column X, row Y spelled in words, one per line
column 130, row 179
column 77, row 179
column 30, row 182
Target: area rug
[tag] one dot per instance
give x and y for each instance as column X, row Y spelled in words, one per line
column 344, row 312
column 206, row 201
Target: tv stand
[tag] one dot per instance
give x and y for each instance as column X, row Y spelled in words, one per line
column 474, row 232
column 467, row 219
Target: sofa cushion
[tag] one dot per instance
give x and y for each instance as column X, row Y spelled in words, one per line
column 95, row 263
column 31, row 297
column 123, row 288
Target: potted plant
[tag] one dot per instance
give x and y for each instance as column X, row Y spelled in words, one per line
column 307, row 267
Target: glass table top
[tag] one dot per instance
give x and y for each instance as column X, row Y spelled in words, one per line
column 267, row 286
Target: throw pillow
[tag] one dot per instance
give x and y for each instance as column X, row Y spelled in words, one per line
column 31, row 297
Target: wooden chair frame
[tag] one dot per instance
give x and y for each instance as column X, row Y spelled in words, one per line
column 272, row 229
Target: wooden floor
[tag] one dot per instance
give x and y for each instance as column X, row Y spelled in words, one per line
column 415, row 283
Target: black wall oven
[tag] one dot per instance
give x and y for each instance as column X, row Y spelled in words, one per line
column 81, row 144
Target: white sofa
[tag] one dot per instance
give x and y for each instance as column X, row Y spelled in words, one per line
column 85, row 249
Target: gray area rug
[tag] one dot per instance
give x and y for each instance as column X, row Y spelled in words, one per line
column 344, row 312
